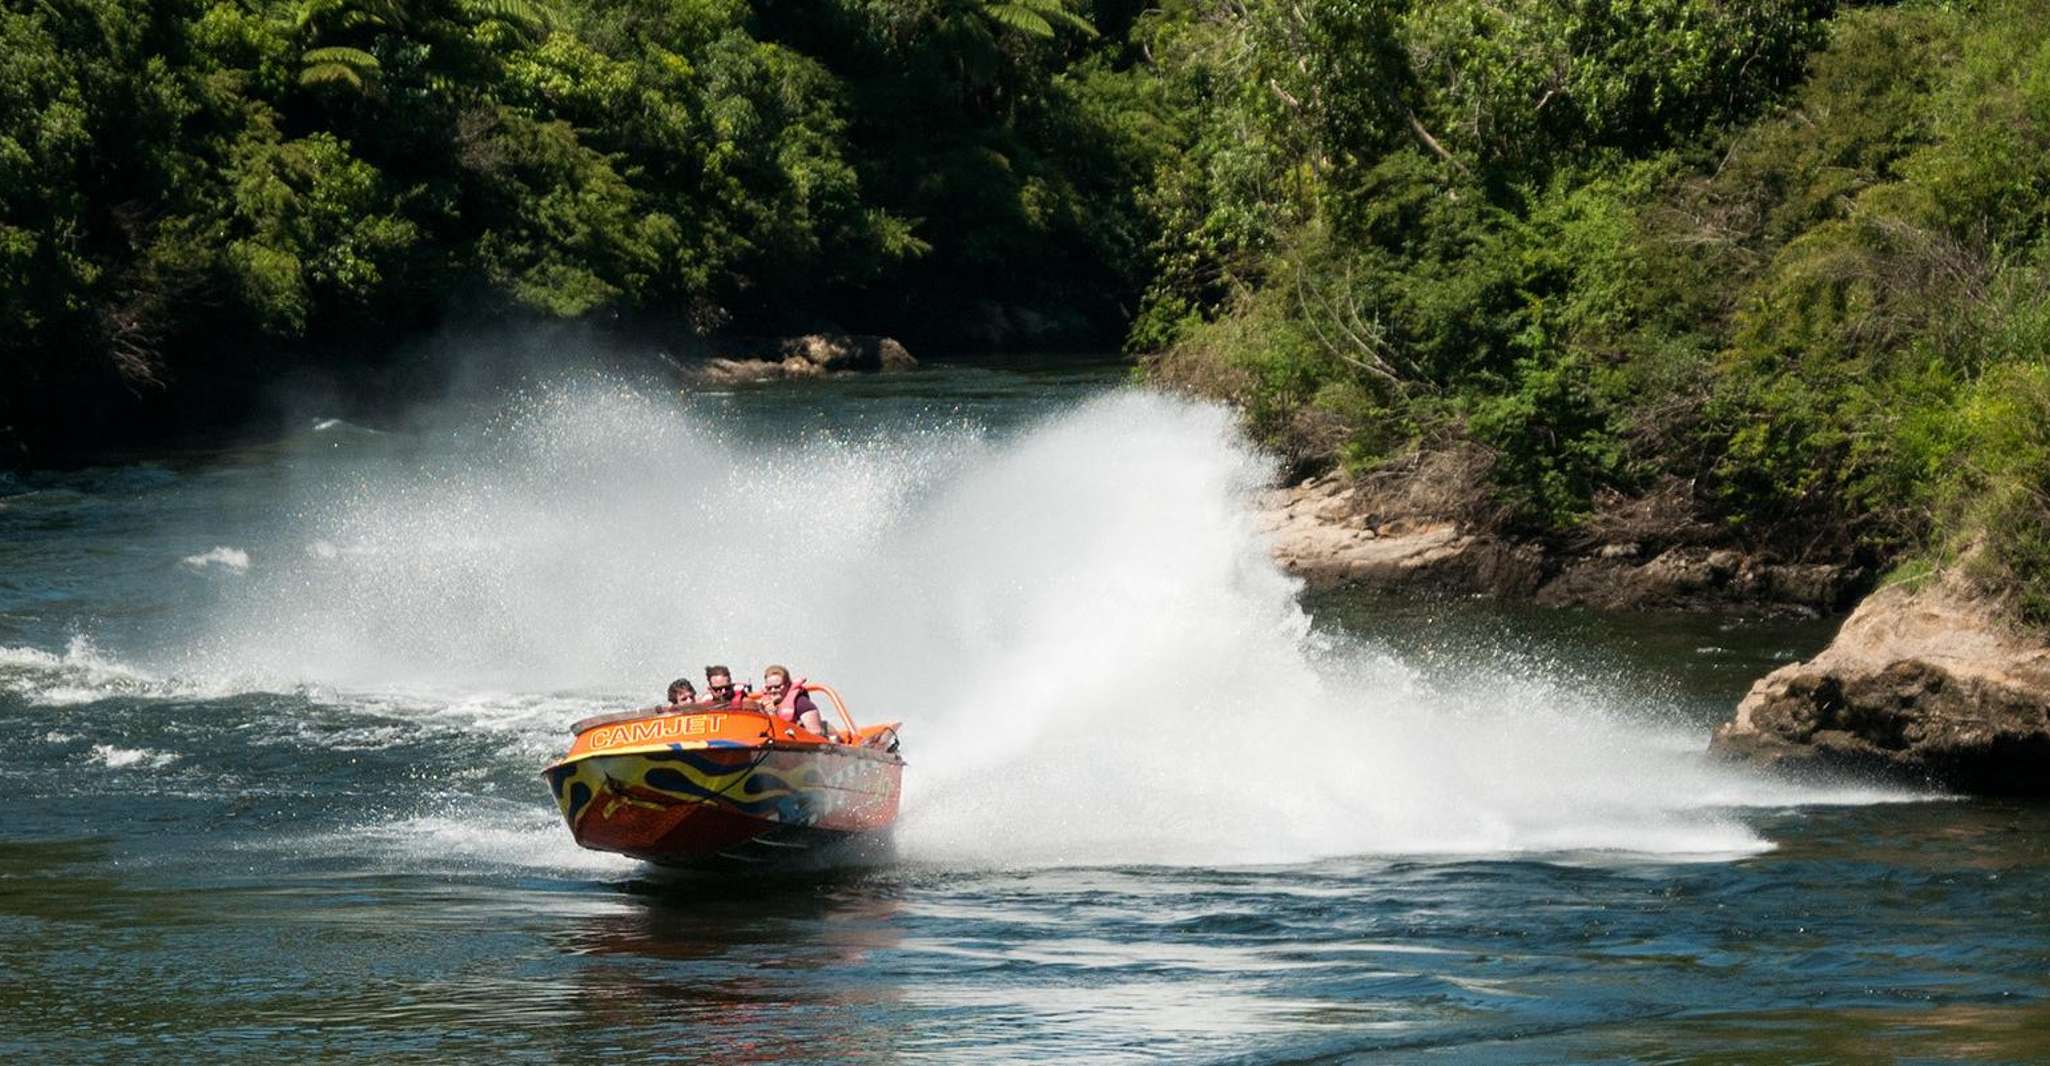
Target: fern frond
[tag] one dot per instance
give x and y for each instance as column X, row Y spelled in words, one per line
column 1074, row 22
column 334, row 64
column 330, row 73
column 525, row 15
column 349, row 57
column 1018, row 17
column 349, row 14
column 315, row 10
column 1060, row 12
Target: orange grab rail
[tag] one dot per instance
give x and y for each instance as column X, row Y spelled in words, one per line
column 838, row 704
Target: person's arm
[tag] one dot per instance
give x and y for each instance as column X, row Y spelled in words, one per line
column 808, row 713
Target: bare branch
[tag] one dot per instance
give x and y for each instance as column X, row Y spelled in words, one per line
column 1424, row 135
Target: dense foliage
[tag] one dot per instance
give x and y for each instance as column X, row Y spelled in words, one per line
column 1772, row 273
column 1743, row 272
column 204, row 194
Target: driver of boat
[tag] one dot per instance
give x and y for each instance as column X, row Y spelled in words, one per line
column 719, row 688
column 682, row 692
column 790, row 702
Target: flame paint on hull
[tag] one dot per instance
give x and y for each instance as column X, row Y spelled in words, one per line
column 735, row 794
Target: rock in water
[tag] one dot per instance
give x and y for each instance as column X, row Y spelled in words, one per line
column 745, row 359
column 893, row 355
column 1928, row 685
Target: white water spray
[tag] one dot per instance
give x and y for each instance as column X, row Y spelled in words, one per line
column 1093, row 655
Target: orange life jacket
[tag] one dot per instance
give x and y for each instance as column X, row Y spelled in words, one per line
column 786, row 708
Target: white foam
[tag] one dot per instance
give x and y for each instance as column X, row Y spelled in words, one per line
column 116, row 758
column 481, row 836
column 79, row 674
column 231, row 559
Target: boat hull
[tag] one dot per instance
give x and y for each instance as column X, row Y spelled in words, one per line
column 689, row 805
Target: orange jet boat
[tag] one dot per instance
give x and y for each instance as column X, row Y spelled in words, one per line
column 729, row 786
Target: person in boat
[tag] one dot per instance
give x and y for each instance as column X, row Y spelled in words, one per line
column 682, row 692
column 720, row 691
column 790, row 702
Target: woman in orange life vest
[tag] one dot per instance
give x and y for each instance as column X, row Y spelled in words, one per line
column 790, row 702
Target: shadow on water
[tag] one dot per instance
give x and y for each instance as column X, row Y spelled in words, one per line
column 54, row 878
column 1697, row 665
column 763, row 968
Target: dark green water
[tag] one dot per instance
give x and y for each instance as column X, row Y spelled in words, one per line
column 273, row 718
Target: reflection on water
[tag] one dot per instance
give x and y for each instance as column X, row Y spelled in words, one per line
column 750, row 972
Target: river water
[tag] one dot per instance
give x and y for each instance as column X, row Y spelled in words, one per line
column 274, row 715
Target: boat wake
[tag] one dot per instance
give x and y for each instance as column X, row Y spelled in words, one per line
column 1095, row 659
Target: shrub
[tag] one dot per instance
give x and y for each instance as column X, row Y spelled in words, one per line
column 2001, row 497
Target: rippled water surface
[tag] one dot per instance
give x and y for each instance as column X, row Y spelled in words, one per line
column 273, row 718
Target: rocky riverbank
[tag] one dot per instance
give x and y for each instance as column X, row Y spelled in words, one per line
column 1334, row 532
column 1927, row 684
